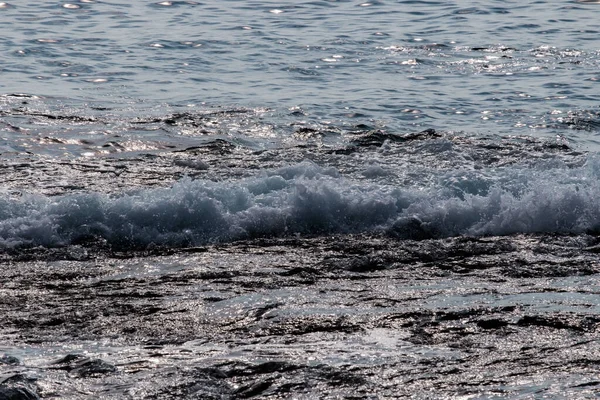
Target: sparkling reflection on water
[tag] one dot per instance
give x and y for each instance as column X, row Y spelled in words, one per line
column 485, row 67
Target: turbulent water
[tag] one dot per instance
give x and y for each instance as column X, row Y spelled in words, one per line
column 324, row 199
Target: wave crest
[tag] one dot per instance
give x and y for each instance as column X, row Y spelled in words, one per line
column 307, row 199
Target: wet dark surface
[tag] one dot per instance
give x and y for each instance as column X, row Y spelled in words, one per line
column 401, row 312
column 325, row 317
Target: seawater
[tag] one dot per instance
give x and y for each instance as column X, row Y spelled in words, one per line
column 499, row 67
column 308, row 199
column 96, row 79
column 284, row 191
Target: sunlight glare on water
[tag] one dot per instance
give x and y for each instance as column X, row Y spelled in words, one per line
column 479, row 67
column 319, row 198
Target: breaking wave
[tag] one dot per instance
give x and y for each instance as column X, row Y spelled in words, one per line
column 306, row 199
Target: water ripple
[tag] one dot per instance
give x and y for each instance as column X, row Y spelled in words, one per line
column 378, row 57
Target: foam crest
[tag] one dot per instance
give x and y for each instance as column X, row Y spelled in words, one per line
column 310, row 200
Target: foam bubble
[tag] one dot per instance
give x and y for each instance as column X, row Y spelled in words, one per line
column 308, row 199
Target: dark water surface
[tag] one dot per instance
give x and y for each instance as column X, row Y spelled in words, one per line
column 324, row 199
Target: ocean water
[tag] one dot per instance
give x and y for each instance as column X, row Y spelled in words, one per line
column 499, row 68
column 264, row 165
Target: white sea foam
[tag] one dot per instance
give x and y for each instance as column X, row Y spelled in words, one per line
column 307, row 199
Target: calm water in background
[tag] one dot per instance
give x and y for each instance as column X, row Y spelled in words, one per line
column 499, row 67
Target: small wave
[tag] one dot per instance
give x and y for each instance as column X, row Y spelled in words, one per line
column 306, row 199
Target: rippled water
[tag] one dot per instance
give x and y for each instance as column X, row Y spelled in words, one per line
column 482, row 67
column 236, row 199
